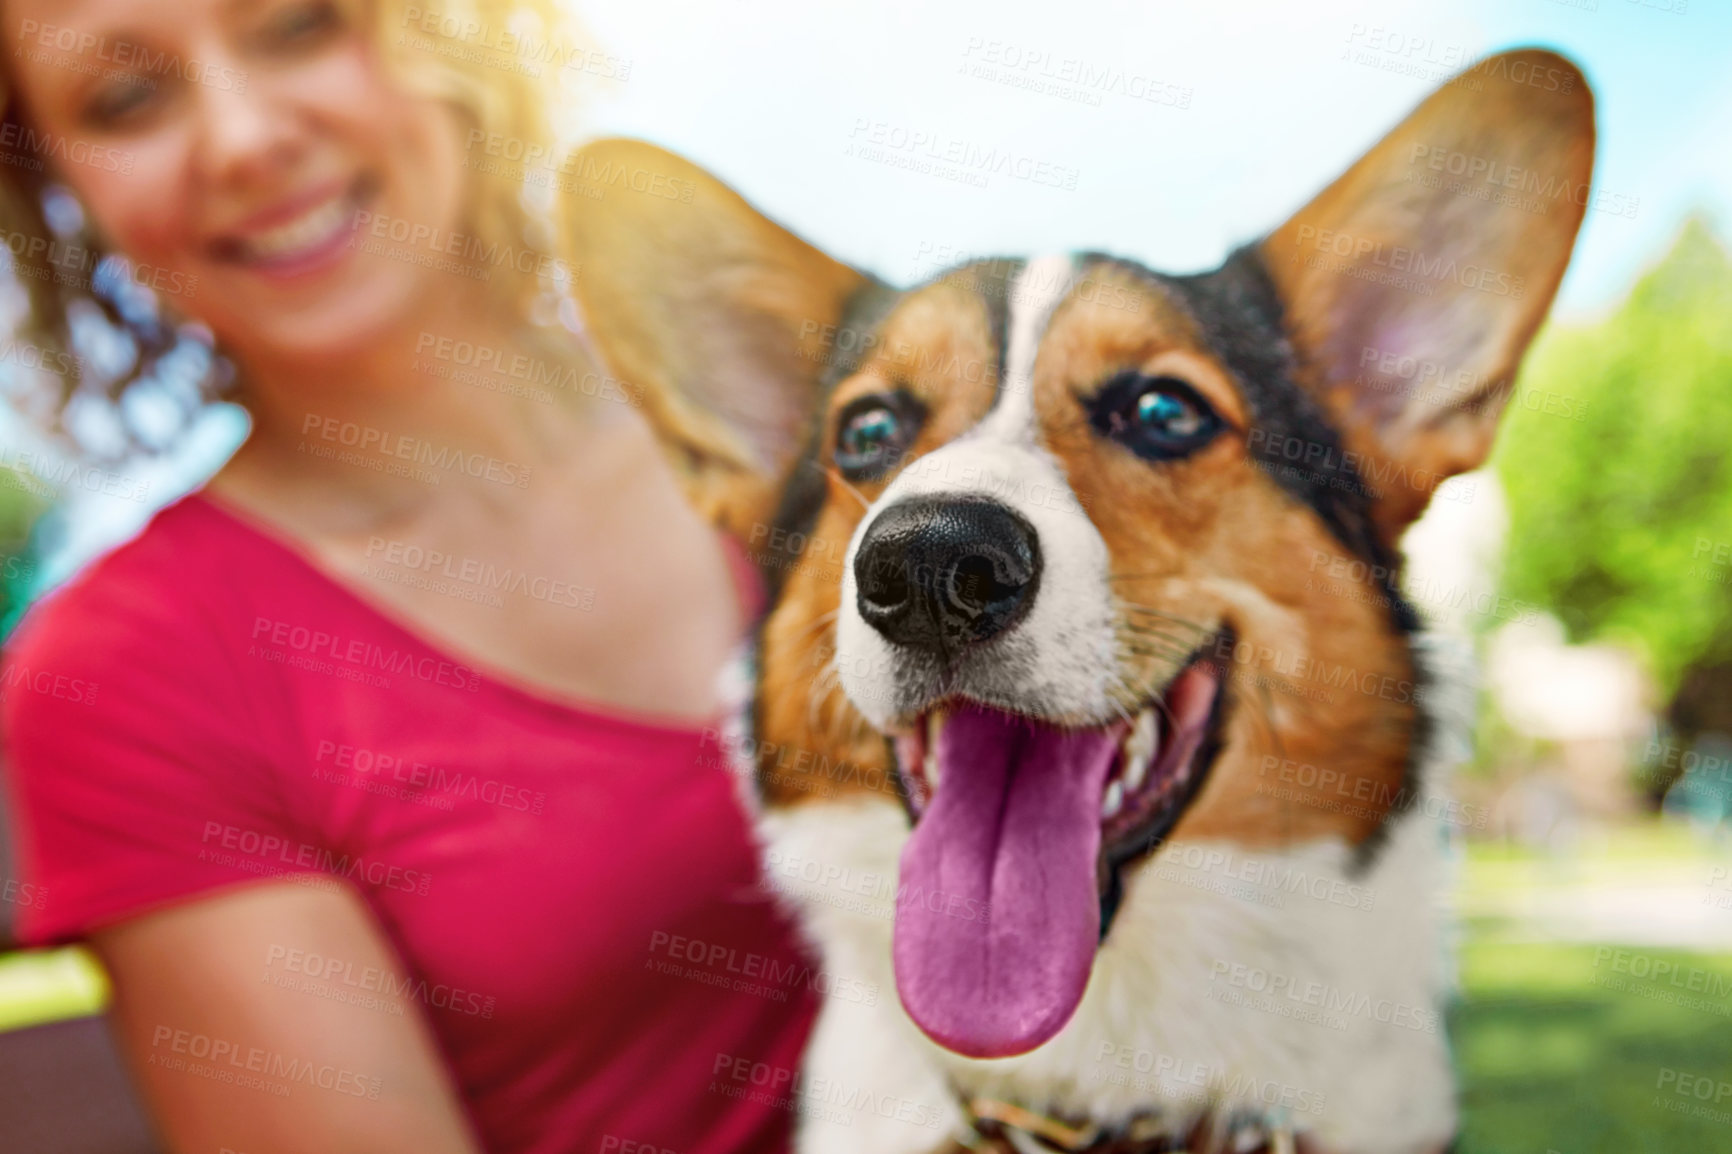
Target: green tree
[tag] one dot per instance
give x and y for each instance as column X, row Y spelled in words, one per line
column 1621, row 501
column 20, row 506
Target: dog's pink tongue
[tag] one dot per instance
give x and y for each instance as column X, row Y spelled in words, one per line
column 999, row 911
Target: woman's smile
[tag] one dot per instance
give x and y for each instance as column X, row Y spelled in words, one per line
column 301, row 235
column 254, row 188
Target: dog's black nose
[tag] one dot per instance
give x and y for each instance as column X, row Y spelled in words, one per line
column 940, row 575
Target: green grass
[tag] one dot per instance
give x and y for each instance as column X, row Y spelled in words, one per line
column 1550, row 1057
column 1550, row 1060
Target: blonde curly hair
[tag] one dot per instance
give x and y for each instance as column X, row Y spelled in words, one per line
column 517, row 68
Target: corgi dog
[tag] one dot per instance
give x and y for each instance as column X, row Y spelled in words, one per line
column 1089, row 715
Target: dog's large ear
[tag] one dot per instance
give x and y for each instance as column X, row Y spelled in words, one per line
column 714, row 315
column 1412, row 285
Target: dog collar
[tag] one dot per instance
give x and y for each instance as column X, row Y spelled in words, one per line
column 1005, row 1128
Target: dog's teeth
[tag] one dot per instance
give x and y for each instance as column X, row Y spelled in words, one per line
column 1140, row 747
column 1114, row 800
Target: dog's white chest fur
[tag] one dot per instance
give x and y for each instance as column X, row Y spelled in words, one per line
column 1284, row 982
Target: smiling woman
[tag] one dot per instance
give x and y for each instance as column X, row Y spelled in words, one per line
column 390, row 802
column 100, row 103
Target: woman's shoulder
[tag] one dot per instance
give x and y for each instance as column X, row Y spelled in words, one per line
column 170, row 588
column 134, row 724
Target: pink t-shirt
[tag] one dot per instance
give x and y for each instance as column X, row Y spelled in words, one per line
column 572, row 892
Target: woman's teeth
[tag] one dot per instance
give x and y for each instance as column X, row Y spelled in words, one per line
column 310, row 231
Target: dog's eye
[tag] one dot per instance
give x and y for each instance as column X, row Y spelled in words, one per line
column 1159, row 418
column 874, row 431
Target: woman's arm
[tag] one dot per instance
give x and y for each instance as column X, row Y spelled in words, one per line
column 210, row 1013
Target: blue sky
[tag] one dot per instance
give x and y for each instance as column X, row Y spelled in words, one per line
column 1206, row 124
column 770, row 94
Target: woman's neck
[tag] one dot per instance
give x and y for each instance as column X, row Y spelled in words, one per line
column 373, row 428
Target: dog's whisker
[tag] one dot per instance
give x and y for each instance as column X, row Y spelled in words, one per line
column 828, row 681
column 817, row 623
column 1165, row 632
column 1299, row 697
column 1143, row 629
column 1153, row 611
column 1128, row 708
column 861, row 729
column 1176, row 648
column 1142, row 696
column 1264, row 713
column 845, row 483
column 1164, row 647
column 1168, row 657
